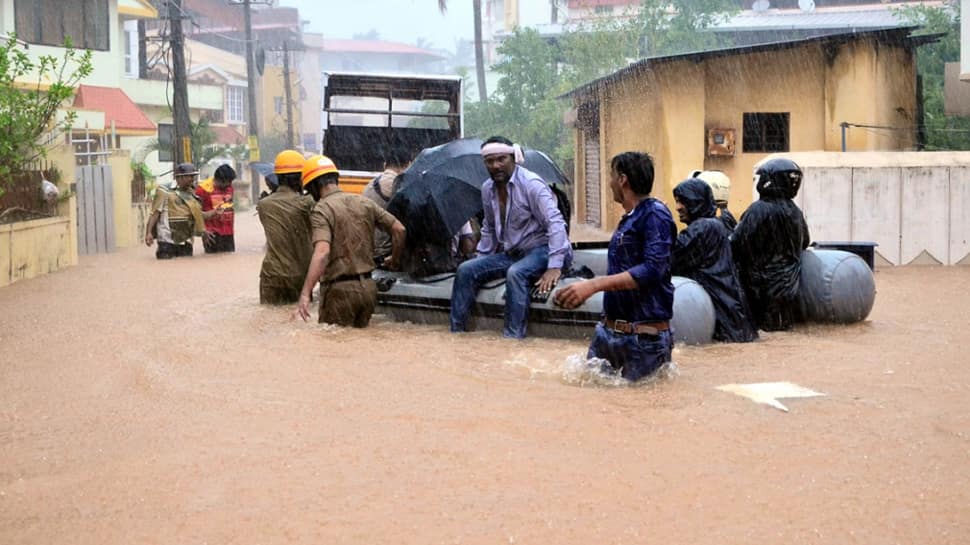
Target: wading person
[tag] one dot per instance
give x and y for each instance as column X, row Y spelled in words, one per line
column 380, row 190
column 285, row 217
column 343, row 242
column 176, row 216
column 702, row 252
column 523, row 239
column 768, row 244
column 217, row 193
column 634, row 335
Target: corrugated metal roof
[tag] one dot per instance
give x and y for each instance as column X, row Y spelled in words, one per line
column 895, row 34
column 797, row 19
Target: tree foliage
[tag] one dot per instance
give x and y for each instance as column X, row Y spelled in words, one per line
column 28, row 109
column 665, row 27
column 204, row 146
column 534, row 71
column 943, row 132
column 523, row 107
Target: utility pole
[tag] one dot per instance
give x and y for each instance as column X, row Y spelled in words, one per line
column 253, row 109
column 289, row 96
column 180, row 100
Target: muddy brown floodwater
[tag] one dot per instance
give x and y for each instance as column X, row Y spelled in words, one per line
column 157, row 402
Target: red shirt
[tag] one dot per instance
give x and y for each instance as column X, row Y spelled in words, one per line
column 220, row 224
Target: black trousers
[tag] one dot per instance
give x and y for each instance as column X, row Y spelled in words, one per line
column 167, row 250
column 219, row 243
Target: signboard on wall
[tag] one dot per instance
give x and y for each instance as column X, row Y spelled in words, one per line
column 166, row 133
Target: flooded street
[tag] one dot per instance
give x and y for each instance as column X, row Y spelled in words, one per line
column 157, row 402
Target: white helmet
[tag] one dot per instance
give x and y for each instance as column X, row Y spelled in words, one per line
column 719, row 182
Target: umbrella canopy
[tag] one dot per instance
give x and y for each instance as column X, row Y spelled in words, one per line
column 441, row 190
column 266, row 171
column 541, row 164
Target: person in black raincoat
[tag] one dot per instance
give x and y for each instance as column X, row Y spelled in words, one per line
column 702, row 252
column 768, row 244
column 721, row 187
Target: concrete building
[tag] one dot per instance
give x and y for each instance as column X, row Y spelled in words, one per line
column 95, row 149
column 727, row 109
column 379, row 56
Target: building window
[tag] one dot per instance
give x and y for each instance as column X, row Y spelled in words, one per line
column 131, row 48
column 765, row 132
column 603, row 10
column 235, row 104
column 278, row 105
column 48, row 22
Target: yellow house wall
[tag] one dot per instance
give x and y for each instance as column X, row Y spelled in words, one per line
column 668, row 109
column 630, row 120
column 272, row 122
column 895, row 94
column 850, row 84
column 780, row 81
column 683, row 147
column 121, row 175
column 32, row 248
column 871, row 84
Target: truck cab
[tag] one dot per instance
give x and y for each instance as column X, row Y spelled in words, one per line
column 365, row 115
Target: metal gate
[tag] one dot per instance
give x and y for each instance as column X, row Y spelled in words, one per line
column 591, row 151
column 95, row 194
column 95, row 210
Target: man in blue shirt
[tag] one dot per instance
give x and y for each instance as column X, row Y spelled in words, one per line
column 634, row 335
column 523, row 239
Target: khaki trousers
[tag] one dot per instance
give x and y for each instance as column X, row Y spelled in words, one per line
column 349, row 303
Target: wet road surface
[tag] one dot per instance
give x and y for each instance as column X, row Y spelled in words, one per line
column 157, row 402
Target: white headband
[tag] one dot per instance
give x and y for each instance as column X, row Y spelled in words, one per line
column 498, row 148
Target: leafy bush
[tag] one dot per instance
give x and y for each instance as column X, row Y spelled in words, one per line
column 31, row 92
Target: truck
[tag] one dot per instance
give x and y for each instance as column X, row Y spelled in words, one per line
column 366, row 115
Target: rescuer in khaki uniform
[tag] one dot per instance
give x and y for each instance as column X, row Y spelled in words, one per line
column 285, row 216
column 343, row 243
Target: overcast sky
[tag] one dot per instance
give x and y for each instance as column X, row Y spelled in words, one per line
column 394, row 20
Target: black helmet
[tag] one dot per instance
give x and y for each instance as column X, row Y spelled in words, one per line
column 778, row 177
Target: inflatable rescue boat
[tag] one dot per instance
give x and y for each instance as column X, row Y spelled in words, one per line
column 835, row 287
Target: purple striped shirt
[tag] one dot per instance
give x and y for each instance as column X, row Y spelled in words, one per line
column 532, row 219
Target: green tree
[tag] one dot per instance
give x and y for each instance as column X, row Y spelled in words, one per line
column 665, row 27
column 527, row 72
column 534, row 71
column 524, row 107
column 942, row 132
column 204, row 146
column 27, row 110
column 595, row 50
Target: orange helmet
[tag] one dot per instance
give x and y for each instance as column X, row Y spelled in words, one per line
column 287, row 162
column 316, row 166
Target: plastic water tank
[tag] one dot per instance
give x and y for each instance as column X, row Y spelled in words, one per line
column 693, row 321
column 835, row 287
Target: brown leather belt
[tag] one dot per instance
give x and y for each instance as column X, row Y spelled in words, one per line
column 635, row 328
column 348, row 277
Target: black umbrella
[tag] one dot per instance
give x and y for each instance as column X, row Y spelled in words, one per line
column 441, row 190
column 541, row 164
